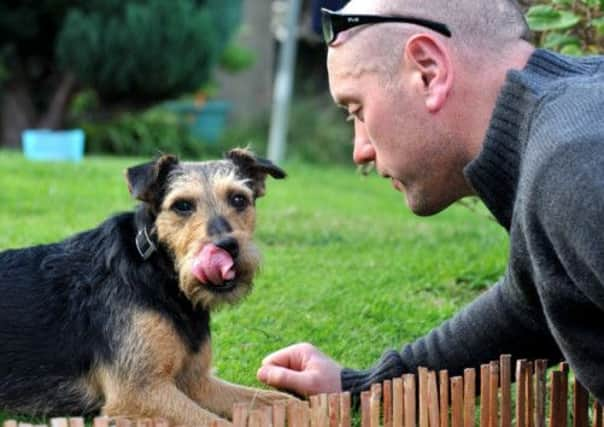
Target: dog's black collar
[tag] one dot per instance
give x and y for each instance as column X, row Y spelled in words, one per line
column 144, row 244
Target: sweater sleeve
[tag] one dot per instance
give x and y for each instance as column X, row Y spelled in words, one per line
column 500, row 321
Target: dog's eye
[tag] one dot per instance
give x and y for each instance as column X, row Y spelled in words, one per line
column 239, row 201
column 183, row 207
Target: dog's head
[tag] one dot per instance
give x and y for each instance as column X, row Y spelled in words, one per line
column 203, row 214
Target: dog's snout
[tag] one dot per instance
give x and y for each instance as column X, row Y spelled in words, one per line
column 218, row 225
column 230, row 245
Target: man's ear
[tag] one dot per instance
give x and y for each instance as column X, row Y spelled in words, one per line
column 146, row 181
column 255, row 168
column 432, row 69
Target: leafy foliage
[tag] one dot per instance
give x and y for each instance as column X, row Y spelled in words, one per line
column 142, row 134
column 136, row 51
column 152, row 48
column 572, row 27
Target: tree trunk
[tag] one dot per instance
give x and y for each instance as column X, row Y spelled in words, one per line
column 17, row 112
column 53, row 118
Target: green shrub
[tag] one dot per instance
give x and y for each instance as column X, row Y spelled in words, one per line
column 572, row 27
column 143, row 134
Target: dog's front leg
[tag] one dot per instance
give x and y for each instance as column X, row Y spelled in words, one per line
column 160, row 400
column 219, row 396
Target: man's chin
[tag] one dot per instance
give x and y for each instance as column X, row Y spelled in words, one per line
column 423, row 207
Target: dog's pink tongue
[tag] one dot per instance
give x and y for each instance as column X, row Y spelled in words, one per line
column 213, row 265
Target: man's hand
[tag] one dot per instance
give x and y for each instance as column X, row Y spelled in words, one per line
column 301, row 368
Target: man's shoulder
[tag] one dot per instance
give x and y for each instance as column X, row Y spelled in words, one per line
column 569, row 111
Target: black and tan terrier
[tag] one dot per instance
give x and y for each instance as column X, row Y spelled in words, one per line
column 116, row 319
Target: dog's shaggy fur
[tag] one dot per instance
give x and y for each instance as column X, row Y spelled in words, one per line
column 113, row 321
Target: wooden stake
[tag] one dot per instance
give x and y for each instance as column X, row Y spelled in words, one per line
column 530, row 393
column 279, row 413
column 597, row 421
column 315, row 408
column 520, row 392
column 256, row 418
column 493, row 394
column 580, row 405
column 457, row 402
column 555, row 408
column 144, row 422
column 240, row 414
column 433, row 408
column 161, row 422
column 409, row 388
column 484, row 395
column 334, row 410
column 423, row 397
column 564, row 394
column 366, row 409
column 375, row 405
column 397, row 402
column 123, row 422
column 387, row 391
column 505, row 370
column 304, row 413
column 540, row 392
column 469, row 400
column 295, row 414
column 224, row 423
column 345, row 420
column 101, row 422
column 444, row 398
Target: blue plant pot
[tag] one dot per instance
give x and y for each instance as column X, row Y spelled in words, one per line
column 207, row 121
column 53, row 145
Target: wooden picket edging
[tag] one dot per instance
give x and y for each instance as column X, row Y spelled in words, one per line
column 428, row 399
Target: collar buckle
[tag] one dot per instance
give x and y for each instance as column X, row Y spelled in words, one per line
column 144, row 244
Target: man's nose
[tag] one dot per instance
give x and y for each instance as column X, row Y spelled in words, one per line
column 363, row 151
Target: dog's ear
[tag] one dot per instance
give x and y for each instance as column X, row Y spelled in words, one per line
column 146, row 181
column 255, row 168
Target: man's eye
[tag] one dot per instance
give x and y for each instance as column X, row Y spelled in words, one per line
column 239, row 201
column 183, row 207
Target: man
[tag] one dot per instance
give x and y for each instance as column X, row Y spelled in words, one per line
column 460, row 104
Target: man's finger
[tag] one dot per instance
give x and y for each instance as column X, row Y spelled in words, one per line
column 287, row 357
column 284, row 378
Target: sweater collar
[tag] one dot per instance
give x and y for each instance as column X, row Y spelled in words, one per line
column 495, row 172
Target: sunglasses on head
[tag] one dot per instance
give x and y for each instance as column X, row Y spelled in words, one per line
column 334, row 23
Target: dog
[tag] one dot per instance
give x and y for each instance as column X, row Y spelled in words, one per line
column 116, row 319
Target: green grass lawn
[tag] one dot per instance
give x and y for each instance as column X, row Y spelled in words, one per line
column 346, row 265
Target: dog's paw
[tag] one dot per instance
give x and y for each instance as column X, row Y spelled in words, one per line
column 267, row 398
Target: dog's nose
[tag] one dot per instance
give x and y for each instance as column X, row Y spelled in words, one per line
column 230, row 245
column 218, row 225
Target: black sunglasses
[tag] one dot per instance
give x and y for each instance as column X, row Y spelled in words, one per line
column 335, row 22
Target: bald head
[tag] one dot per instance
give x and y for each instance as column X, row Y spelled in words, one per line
column 480, row 29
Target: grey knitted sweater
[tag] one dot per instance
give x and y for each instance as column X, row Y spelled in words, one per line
column 541, row 174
